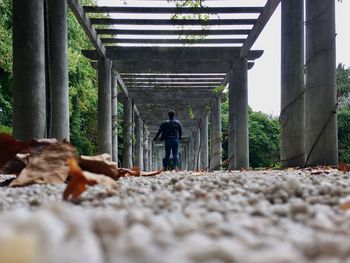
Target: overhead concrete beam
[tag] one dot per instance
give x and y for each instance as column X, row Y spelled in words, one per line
column 85, row 23
column 167, row 101
column 175, row 66
column 177, row 53
column 194, row 94
column 263, row 18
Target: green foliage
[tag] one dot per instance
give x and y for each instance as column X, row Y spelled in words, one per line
column 5, row 129
column 344, row 135
column 82, row 90
column 264, row 134
column 5, row 98
column 5, row 63
column 202, row 17
column 343, row 86
column 218, row 89
column 6, row 36
column 343, row 81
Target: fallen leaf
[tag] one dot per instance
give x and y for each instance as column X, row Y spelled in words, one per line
column 152, row 173
column 197, row 173
column 343, row 167
column 100, row 164
column 290, row 169
column 102, row 179
column 10, row 147
column 81, row 179
column 316, row 171
column 16, row 165
column 77, row 185
column 345, row 206
column 135, row 171
column 48, row 166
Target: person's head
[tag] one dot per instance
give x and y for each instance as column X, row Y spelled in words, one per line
column 171, row 114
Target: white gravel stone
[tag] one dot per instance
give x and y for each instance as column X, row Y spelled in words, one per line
column 266, row 216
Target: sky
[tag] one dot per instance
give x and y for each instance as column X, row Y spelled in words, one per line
column 264, row 78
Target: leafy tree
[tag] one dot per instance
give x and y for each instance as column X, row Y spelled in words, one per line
column 343, row 86
column 264, row 134
column 344, row 135
column 5, row 64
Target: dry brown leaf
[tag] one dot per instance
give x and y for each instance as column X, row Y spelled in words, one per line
column 16, row 165
column 290, row 169
column 197, row 173
column 316, row 171
column 9, row 148
column 48, row 166
column 343, row 167
column 135, row 171
column 78, row 183
column 152, row 173
column 102, row 179
column 100, row 164
column 345, row 206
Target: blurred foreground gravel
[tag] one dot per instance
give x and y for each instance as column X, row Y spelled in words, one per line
column 221, row 217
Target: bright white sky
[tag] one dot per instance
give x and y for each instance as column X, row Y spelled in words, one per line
column 264, row 77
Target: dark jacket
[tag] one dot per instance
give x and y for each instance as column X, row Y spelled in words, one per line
column 170, row 129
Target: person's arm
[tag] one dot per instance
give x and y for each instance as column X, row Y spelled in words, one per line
column 160, row 130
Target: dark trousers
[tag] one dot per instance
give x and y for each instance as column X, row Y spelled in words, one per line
column 173, row 146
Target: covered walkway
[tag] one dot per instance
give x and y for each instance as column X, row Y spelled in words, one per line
column 183, row 64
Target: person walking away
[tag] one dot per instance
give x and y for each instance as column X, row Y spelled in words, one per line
column 171, row 132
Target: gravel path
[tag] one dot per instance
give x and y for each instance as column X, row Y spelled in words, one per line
column 248, row 217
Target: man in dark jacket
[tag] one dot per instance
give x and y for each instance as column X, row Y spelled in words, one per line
column 171, row 131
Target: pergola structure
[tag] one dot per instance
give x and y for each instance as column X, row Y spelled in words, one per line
column 179, row 65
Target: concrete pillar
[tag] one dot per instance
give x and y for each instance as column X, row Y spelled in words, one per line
column 204, row 164
column 320, row 96
column 155, row 161
column 58, row 68
column 215, row 136
column 139, row 138
column 127, row 154
column 196, row 156
column 238, row 145
column 184, row 164
column 29, row 95
column 292, row 84
column 104, row 106
column 160, row 157
column 190, row 158
column 146, row 149
column 188, row 155
column 150, row 152
column 133, row 134
column 114, row 118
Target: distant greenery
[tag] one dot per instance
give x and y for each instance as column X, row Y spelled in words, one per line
column 264, row 134
column 343, row 86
